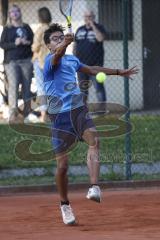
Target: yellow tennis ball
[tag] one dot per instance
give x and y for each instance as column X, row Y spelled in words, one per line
column 101, row 77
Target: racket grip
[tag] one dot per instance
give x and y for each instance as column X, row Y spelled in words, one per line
column 70, row 29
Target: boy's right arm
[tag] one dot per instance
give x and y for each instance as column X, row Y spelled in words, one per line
column 61, row 48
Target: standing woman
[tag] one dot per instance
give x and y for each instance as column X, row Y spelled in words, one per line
column 39, row 53
column 16, row 40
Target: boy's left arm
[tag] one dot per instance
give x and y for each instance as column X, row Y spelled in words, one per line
column 93, row 70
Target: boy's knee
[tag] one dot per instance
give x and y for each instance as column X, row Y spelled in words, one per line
column 95, row 145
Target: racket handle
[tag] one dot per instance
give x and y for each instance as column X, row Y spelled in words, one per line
column 70, row 29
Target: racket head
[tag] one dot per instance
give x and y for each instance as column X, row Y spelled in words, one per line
column 65, row 7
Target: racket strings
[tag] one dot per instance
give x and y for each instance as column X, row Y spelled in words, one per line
column 66, row 7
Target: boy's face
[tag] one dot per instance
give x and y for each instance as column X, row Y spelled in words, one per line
column 55, row 39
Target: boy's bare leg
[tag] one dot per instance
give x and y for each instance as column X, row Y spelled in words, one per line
column 62, row 185
column 91, row 138
column 61, row 176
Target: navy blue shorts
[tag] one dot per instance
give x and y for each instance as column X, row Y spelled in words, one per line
column 68, row 127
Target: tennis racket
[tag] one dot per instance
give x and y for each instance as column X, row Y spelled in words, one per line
column 65, row 7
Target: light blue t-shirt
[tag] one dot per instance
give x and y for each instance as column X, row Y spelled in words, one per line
column 61, row 85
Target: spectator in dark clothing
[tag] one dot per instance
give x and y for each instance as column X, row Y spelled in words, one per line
column 88, row 48
column 16, row 40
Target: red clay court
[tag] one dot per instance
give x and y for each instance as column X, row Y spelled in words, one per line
column 122, row 215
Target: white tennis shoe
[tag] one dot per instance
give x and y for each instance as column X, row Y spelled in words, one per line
column 67, row 214
column 94, row 193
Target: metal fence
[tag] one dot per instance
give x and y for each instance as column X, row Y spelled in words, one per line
column 136, row 154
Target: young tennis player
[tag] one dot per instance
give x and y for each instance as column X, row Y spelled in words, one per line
column 69, row 115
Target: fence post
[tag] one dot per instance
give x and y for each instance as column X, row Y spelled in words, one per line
column 4, row 10
column 126, row 89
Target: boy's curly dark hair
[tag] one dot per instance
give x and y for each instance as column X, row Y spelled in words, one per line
column 55, row 27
